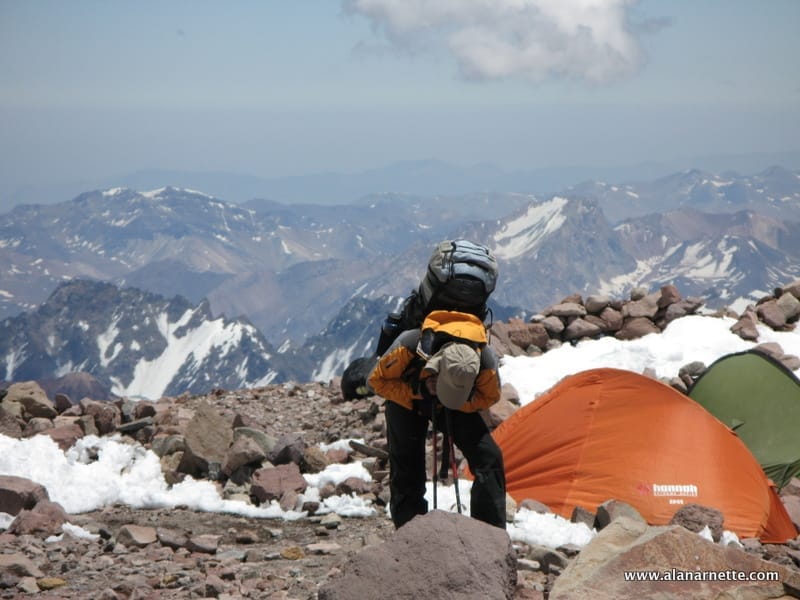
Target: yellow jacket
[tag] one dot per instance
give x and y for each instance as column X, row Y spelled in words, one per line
column 392, row 378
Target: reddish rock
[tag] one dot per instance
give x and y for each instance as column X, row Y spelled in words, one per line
column 65, row 435
column 669, row 295
column 18, row 493
column 527, row 334
column 271, row 483
column 107, row 416
column 44, row 519
column 635, row 328
column 695, row 517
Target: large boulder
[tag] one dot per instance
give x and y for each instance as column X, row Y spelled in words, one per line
column 32, row 398
column 628, row 560
column 771, row 314
column 18, row 494
column 437, row 556
column 207, row 439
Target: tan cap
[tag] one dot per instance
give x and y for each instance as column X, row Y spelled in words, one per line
column 457, row 366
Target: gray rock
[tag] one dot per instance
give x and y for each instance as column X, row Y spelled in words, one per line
column 746, row 327
column 535, row 506
column 136, row 536
column 204, row 544
column 644, row 307
column 582, row 515
column 567, row 309
column 549, row 560
column 243, row 451
column 288, row 449
column 771, row 314
column 596, row 303
column 793, row 289
column 611, row 510
column 207, row 438
column 265, row 442
column 19, row 565
column 789, row 305
column 553, row 325
column 580, row 328
column 438, row 556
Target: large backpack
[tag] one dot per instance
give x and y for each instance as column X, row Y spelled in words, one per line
column 461, row 275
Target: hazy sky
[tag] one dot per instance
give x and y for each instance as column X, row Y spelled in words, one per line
column 96, row 88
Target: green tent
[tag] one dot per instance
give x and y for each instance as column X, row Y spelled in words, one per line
column 759, row 398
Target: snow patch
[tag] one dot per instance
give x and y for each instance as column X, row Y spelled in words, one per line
column 152, row 377
column 526, row 232
column 619, row 284
column 333, row 364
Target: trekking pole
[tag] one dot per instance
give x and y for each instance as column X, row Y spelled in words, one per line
column 448, row 418
column 445, row 464
column 435, row 435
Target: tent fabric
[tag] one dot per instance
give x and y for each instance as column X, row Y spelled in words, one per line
column 611, row 434
column 759, row 398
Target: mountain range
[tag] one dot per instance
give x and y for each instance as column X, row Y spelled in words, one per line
column 136, row 343
column 426, row 177
column 307, row 285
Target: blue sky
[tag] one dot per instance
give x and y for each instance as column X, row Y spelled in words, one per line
column 92, row 89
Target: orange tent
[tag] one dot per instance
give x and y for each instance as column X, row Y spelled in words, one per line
column 608, row 433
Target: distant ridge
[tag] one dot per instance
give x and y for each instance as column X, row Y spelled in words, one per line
column 423, row 177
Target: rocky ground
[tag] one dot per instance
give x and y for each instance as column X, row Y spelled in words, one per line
column 231, row 556
column 181, row 553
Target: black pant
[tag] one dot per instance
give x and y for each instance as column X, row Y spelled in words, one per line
column 406, row 432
